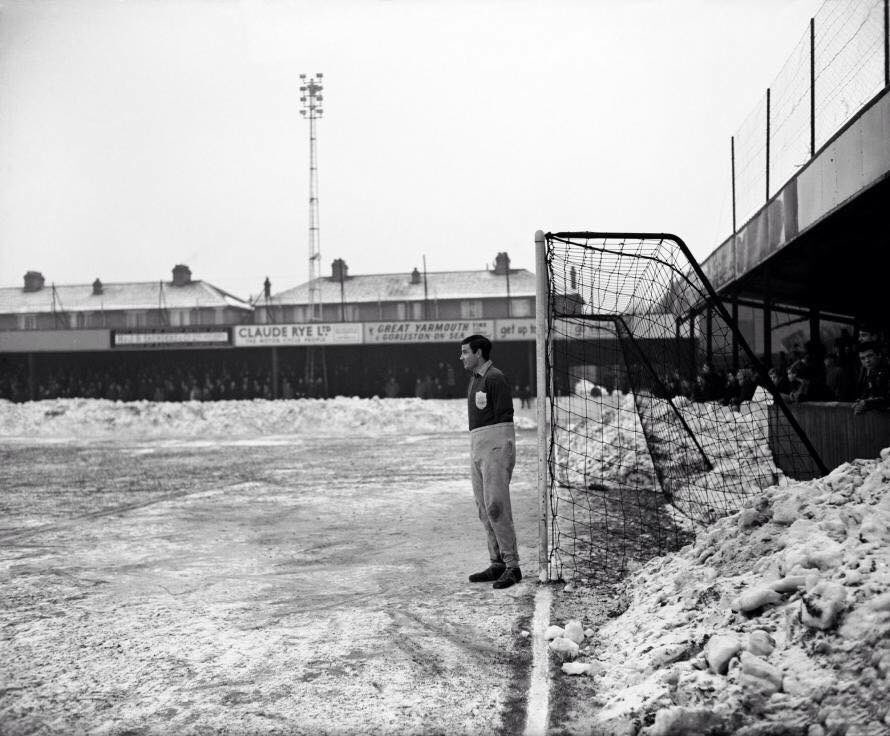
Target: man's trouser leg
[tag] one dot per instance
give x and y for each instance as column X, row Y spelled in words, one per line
column 492, row 457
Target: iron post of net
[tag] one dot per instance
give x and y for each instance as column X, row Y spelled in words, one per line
column 541, row 302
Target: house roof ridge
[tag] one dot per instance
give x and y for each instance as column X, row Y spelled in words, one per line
column 89, row 285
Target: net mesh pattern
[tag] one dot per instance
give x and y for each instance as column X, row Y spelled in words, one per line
column 790, row 116
column 849, row 61
column 750, row 162
column 646, row 443
column 825, row 81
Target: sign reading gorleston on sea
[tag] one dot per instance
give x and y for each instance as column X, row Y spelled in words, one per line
column 430, row 331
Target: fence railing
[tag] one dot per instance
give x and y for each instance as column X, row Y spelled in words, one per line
column 839, row 64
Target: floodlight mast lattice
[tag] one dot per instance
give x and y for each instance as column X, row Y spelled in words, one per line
column 311, row 99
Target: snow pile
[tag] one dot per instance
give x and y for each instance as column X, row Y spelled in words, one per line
column 101, row 417
column 601, row 442
column 776, row 621
column 566, row 643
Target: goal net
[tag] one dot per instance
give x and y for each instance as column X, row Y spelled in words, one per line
column 657, row 416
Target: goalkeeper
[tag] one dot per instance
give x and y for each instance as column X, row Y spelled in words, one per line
column 492, row 457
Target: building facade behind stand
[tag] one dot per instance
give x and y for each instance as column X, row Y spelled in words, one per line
column 394, row 334
column 134, row 340
column 381, row 334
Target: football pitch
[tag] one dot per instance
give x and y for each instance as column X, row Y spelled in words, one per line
column 286, row 584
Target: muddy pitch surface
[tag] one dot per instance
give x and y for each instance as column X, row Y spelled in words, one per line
column 281, row 585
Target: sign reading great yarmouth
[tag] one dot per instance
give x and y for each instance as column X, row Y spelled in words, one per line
column 430, row 331
column 313, row 333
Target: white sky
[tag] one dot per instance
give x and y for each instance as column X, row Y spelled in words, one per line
column 135, row 135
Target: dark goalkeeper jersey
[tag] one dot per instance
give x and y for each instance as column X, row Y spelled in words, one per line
column 489, row 398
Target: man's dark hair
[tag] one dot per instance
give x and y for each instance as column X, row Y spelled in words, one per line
column 869, row 332
column 866, row 346
column 478, row 342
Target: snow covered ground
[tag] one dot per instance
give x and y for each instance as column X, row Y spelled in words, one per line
column 339, row 416
column 350, row 416
column 210, row 583
column 777, row 621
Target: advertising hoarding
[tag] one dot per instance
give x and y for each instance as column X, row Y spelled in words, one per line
column 314, row 333
column 378, row 333
column 510, row 330
column 170, row 338
column 53, row 341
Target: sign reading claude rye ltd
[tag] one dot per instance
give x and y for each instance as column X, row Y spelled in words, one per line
column 315, row 333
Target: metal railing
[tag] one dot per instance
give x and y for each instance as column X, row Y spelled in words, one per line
column 839, row 64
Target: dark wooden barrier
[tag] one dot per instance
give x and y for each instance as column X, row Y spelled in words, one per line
column 836, row 432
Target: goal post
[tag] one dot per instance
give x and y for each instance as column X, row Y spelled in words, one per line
column 648, row 424
column 541, row 393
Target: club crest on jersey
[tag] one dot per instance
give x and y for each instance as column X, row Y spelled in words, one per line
column 481, row 400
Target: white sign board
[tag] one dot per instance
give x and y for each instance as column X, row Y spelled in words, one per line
column 49, row 341
column 314, row 333
column 508, row 330
column 578, row 329
column 429, row 331
column 168, row 338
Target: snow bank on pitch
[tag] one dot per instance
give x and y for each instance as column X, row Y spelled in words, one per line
column 339, row 416
column 601, row 442
column 776, row 621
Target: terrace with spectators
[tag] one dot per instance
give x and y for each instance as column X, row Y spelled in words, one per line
column 810, row 173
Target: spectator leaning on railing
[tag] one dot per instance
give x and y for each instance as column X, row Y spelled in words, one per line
column 874, row 381
column 780, row 380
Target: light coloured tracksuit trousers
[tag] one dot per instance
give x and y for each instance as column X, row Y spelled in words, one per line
column 492, row 457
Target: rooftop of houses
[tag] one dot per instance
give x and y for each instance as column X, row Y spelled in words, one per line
column 181, row 293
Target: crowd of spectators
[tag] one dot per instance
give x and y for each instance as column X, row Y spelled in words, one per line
column 157, row 381
column 204, row 379
column 855, row 371
column 440, row 382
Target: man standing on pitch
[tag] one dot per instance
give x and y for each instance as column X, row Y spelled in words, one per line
column 492, row 457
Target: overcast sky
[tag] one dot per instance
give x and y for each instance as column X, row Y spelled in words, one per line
column 135, row 135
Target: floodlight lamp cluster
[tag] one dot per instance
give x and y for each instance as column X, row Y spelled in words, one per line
column 311, row 96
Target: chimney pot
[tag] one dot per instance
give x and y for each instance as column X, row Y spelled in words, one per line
column 502, row 263
column 97, row 287
column 267, row 288
column 182, row 275
column 33, row 281
column 339, row 270
column 415, row 276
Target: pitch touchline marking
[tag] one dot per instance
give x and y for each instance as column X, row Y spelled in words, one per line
column 537, row 711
